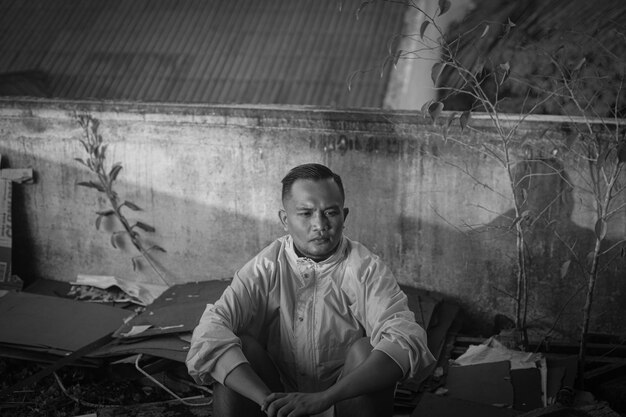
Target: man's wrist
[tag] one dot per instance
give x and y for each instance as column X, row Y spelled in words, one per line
column 332, row 395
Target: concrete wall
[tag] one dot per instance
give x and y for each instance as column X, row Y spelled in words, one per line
column 208, row 179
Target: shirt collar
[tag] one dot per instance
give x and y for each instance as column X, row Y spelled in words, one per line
column 338, row 256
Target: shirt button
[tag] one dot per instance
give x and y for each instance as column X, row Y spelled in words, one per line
column 301, row 318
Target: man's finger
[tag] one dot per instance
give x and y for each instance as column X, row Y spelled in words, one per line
column 270, row 399
column 274, row 406
column 286, row 409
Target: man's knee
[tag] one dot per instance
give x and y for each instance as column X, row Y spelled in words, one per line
column 357, row 354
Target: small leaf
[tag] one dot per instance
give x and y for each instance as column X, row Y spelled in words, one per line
column 382, row 67
column 485, row 30
column 444, row 6
column 131, row 206
column 509, row 25
column 98, row 221
column 478, row 67
column 113, row 235
column 580, row 64
column 361, row 7
column 115, row 170
column 84, row 145
column 435, row 109
column 451, row 118
column 464, row 119
column 105, row 212
column 565, row 268
column 145, row 227
column 423, row 28
column 436, row 71
column 506, row 71
column 351, row 78
column 91, row 184
column 600, row 229
column 103, row 150
column 135, row 264
column 397, row 58
column 425, row 107
column 81, row 161
column 157, row 248
column 94, row 124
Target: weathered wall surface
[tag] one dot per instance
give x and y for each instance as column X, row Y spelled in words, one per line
column 208, row 179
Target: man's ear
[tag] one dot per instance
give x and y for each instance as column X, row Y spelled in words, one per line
column 282, row 215
column 346, row 210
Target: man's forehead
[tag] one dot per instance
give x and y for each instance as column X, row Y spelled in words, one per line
column 307, row 190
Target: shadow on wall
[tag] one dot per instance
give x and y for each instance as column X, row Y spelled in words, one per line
column 54, row 233
column 480, row 274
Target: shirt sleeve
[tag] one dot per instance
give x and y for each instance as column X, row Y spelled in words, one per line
column 389, row 322
column 215, row 348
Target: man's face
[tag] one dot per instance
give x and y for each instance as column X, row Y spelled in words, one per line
column 313, row 214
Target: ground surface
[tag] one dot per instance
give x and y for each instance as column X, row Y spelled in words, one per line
column 87, row 390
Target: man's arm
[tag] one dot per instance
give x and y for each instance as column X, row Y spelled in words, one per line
column 246, row 382
column 377, row 372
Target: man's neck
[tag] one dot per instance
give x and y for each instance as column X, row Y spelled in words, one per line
column 301, row 255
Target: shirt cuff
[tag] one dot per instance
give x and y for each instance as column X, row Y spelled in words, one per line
column 395, row 352
column 229, row 360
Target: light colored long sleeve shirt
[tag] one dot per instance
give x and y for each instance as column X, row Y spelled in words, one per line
column 308, row 314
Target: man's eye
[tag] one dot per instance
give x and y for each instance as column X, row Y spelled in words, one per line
column 332, row 213
column 304, row 213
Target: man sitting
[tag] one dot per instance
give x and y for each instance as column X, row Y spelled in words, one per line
column 314, row 322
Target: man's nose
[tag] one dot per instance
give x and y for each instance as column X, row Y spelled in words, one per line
column 319, row 221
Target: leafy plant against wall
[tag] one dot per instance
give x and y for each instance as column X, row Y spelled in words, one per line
column 104, row 183
column 574, row 84
column 600, row 142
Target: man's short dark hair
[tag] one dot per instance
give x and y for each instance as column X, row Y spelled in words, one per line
column 315, row 172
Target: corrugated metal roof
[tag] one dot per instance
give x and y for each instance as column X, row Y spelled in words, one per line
column 202, row 51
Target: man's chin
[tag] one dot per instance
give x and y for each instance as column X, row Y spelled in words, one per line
column 321, row 250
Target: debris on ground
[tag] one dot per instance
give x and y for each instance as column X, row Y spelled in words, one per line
column 80, row 351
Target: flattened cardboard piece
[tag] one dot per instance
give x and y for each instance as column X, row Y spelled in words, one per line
column 177, row 310
column 431, row 405
column 487, row 383
column 527, row 393
column 34, row 355
column 53, row 322
column 50, row 287
column 6, row 280
column 561, row 373
column 168, row 347
column 422, row 304
column 496, row 352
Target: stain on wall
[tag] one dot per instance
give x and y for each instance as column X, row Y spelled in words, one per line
column 208, row 178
